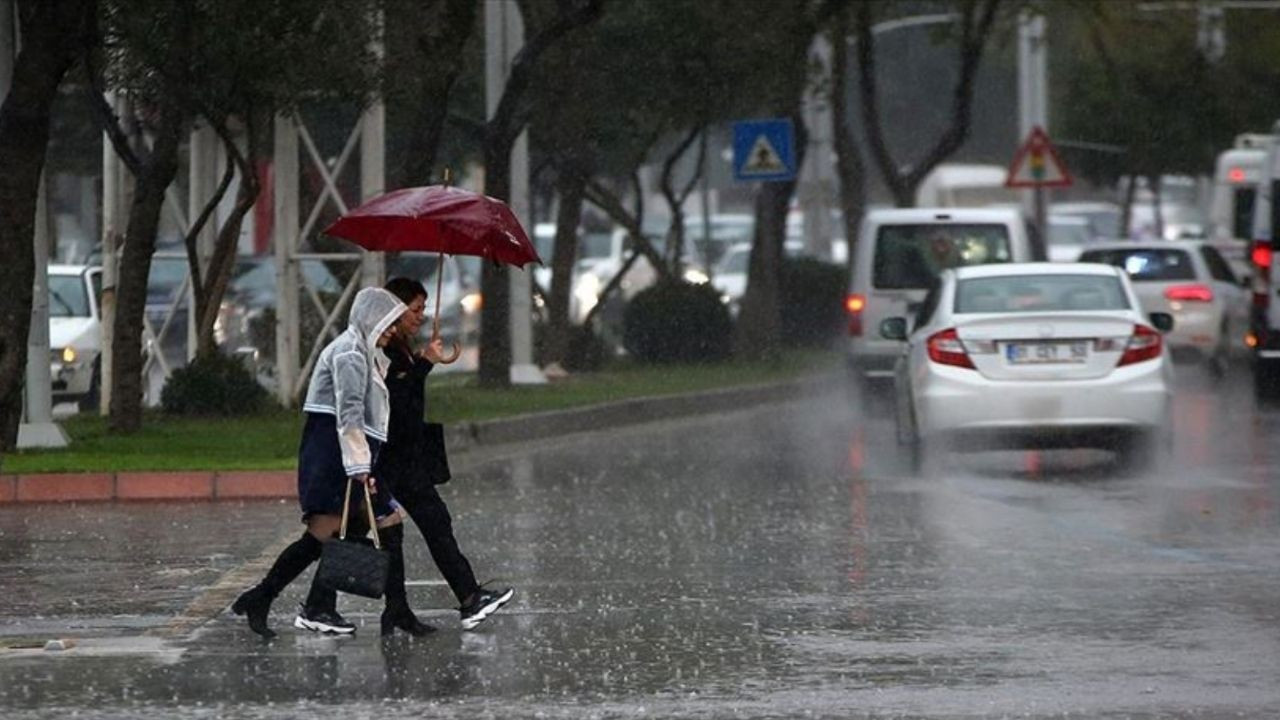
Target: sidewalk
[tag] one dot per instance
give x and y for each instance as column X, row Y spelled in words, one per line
column 460, row 439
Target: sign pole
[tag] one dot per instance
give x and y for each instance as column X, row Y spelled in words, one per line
column 1037, row 167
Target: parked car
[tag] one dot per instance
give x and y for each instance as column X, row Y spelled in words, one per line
column 1191, row 281
column 730, row 276
column 75, row 333
column 900, row 253
column 1032, row 355
column 253, row 289
column 1068, row 236
column 167, row 311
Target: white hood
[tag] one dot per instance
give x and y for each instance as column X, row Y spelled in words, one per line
column 82, row 333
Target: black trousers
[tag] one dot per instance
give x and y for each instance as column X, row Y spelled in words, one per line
column 419, row 498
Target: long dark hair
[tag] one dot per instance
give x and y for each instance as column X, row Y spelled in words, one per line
column 407, row 290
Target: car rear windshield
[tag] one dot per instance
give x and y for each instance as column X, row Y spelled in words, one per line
column 1146, row 264
column 1039, row 293
column 909, row 257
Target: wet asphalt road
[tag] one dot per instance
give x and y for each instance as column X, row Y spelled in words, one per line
column 772, row 563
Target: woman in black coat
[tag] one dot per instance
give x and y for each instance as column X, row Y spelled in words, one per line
column 403, row 461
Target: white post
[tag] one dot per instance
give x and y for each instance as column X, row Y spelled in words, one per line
column 504, row 34
column 39, row 430
column 373, row 175
column 1033, row 101
column 285, row 231
column 113, row 221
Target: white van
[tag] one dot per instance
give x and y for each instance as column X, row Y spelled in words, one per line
column 1237, row 177
column 966, row 185
column 1264, row 320
column 900, row 253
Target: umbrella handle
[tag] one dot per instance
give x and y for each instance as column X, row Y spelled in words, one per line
column 457, row 350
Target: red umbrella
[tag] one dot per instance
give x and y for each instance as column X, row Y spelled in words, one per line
column 442, row 219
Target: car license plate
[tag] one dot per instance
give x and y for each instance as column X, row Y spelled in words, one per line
column 1046, row 353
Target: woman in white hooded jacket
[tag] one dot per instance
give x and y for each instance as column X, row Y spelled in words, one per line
column 347, row 411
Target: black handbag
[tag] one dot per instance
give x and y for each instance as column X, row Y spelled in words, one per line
column 434, row 455
column 355, row 566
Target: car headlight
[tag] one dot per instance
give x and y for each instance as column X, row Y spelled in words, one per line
column 696, row 276
column 68, row 355
column 471, row 302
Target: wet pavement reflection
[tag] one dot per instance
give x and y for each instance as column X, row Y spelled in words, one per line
column 775, row 563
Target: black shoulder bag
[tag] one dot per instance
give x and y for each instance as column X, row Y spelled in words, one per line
column 355, row 566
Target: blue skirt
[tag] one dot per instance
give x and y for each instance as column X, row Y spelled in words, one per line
column 322, row 479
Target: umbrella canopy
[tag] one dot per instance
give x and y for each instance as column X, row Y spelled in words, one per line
column 438, row 218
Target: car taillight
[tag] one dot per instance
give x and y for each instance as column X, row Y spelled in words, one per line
column 854, row 304
column 1144, row 344
column 1261, row 254
column 945, row 348
column 1189, row 293
column 1261, row 258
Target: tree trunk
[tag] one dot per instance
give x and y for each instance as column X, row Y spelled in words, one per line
column 571, row 190
column 224, row 255
column 125, row 414
column 495, row 313
column 975, row 22
column 53, row 34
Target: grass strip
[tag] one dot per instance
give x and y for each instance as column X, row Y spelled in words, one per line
column 270, row 441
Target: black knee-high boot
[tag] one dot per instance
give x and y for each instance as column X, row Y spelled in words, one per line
column 256, row 601
column 397, row 613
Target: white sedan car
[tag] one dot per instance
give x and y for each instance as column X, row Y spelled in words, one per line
column 1033, row 355
column 1191, row 281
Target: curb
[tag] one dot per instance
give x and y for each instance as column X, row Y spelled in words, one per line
column 461, row 438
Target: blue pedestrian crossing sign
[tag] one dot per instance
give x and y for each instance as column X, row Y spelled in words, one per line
column 764, row 150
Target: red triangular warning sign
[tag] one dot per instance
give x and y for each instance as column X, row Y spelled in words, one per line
column 1036, row 164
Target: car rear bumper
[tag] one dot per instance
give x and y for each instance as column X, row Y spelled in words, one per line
column 1194, row 332
column 955, row 401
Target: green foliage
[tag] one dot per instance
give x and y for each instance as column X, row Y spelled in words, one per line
column 587, row 351
column 674, row 321
column 222, row 58
column 213, row 385
column 1136, row 78
column 660, row 68
column 812, row 307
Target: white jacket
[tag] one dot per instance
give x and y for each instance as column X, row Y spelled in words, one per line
column 348, row 378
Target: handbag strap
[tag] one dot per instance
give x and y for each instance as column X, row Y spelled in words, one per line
column 368, row 505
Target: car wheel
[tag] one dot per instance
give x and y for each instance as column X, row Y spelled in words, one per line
column 1266, row 379
column 918, row 451
column 1221, row 356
